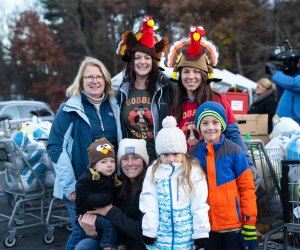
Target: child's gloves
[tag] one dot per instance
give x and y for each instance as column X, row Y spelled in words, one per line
column 201, row 243
column 147, row 240
column 248, row 236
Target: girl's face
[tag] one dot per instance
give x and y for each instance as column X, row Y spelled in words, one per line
column 132, row 166
column 106, row 166
column 142, row 64
column 191, row 79
column 171, row 158
column 93, row 81
column 210, row 128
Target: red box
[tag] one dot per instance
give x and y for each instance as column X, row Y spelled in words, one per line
column 238, row 101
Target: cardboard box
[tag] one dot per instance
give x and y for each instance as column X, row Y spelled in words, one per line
column 253, row 124
column 238, row 102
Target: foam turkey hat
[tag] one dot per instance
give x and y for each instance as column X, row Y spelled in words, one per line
column 145, row 40
column 194, row 51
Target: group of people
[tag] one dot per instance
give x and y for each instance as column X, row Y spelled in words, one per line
column 131, row 177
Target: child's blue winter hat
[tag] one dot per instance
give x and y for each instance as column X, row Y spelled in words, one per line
column 211, row 109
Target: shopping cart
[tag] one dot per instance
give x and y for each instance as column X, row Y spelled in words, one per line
column 268, row 164
column 290, row 186
column 23, row 180
column 27, row 177
column 57, row 216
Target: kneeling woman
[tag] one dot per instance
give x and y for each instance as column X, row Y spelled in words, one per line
column 125, row 214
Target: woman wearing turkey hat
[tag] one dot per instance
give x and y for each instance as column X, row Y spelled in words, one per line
column 145, row 95
column 193, row 60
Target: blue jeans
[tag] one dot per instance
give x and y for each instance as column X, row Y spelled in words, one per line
column 88, row 244
column 107, row 230
column 78, row 233
column 225, row 241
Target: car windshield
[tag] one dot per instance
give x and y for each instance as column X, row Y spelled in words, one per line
column 24, row 111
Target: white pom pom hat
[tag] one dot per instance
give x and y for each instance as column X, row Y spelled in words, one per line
column 170, row 139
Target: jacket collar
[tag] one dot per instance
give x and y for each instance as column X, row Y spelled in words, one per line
column 216, row 145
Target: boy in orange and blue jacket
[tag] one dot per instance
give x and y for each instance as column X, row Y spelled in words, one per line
column 231, row 190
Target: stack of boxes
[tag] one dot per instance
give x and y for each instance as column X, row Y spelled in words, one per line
column 255, row 125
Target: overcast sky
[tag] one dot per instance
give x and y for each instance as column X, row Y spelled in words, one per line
column 10, row 8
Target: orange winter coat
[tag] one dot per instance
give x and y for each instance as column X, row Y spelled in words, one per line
column 231, row 190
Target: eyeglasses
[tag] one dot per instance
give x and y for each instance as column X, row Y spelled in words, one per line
column 92, row 78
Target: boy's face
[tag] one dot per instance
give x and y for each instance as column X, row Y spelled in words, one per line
column 106, row 166
column 171, row 158
column 210, row 128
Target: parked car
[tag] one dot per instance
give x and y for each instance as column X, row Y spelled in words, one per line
column 20, row 111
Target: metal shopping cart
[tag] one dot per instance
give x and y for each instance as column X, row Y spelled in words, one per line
column 57, row 214
column 27, row 178
column 23, row 180
column 290, row 186
column 268, row 164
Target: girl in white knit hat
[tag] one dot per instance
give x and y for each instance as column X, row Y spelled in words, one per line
column 174, row 195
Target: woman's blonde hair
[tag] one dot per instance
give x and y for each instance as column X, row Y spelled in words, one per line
column 188, row 162
column 77, row 85
column 266, row 83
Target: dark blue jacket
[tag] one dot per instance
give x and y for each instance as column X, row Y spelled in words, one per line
column 71, row 135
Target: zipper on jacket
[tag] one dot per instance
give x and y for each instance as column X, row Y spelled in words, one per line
column 171, row 204
column 100, row 118
column 177, row 189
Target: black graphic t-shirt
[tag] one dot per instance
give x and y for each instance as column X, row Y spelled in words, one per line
column 138, row 120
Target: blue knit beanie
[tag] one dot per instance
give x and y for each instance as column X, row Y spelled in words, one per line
column 211, row 109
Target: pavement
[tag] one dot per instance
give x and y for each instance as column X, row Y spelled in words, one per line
column 29, row 238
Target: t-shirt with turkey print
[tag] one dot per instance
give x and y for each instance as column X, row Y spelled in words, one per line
column 137, row 117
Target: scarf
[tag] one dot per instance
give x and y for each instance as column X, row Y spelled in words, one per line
column 95, row 101
column 259, row 97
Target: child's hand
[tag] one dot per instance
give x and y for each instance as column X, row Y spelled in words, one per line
column 148, row 240
column 248, row 236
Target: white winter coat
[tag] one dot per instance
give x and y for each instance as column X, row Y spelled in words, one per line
column 170, row 214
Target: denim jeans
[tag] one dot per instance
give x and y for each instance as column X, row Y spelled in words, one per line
column 107, row 230
column 78, row 233
column 88, row 244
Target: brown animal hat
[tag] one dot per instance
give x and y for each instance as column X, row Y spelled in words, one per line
column 100, row 149
column 146, row 40
column 194, row 51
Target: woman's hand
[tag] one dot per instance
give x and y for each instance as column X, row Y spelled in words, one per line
column 72, row 197
column 101, row 210
column 87, row 222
